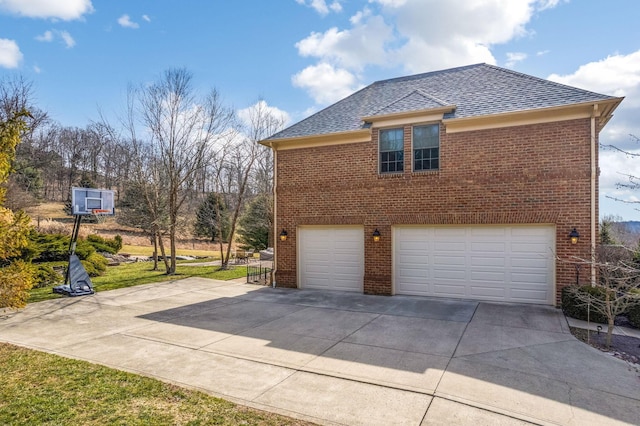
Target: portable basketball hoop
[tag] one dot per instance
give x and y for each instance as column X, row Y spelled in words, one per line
column 101, row 215
column 84, row 201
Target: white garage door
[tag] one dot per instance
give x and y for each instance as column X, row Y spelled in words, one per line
column 502, row 263
column 331, row 258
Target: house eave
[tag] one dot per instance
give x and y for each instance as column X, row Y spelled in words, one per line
column 409, row 117
column 337, row 138
column 536, row 116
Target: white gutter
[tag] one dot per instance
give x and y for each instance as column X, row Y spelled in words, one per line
column 594, row 182
column 275, row 214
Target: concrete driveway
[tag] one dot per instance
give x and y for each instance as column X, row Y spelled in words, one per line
column 340, row 358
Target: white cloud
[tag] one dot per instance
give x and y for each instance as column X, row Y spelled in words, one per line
column 265, row 112
column 10, row 55
column 126, row 22
column 47, row 36
column 514, row 57
column 617, row 75
column 146, row 18
column 67, row 39
column 321, row 6
column 354, row 48
column 325, row 83
column 419, row 35
column 50, row 35
column 461, row 31
column 48, row 9
column 37, row 69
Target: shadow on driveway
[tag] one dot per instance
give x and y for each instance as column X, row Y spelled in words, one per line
column 334, row 357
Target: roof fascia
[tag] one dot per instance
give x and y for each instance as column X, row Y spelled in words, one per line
column 338, row 138
column 536, row 116
column 409, row 117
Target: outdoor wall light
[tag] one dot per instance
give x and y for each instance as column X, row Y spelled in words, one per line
column 376, row 235
column 574, row 236
column 283, row 235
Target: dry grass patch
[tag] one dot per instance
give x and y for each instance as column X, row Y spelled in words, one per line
column 38, row 388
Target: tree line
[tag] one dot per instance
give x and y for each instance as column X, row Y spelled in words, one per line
column 168, row 156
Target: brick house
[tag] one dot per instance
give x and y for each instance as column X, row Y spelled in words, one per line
column 461, row 183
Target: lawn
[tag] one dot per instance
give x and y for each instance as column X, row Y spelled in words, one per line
column 130, row 274
column 38, row 388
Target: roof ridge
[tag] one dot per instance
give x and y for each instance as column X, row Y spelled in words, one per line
column 408, row 94
column 540, row 79
column 433, row 98
column 426, row 74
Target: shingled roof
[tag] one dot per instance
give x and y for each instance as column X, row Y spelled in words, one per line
column 474, row 90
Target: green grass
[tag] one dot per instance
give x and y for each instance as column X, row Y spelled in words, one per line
column 127, row 275
column 38, row 388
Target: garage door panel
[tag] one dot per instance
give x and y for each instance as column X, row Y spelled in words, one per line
column 416, row 259
column 529, row 247
column 487, row 262
column 536, row 262
column 489, row 231
column 530, row 279
column 488, row 246
column 449, row 260
column 487, row 292
column 503, row 263
column 452, row 275
column 331, row 258
column 454, row 246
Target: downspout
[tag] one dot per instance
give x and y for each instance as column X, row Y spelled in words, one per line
column 594, row 183
column 275, row 214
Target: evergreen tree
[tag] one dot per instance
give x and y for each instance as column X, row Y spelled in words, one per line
column 212, row 217
column 606, row 236
column 255, row 223
column 16, row 276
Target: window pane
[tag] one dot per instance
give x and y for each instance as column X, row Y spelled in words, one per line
column 391, row 140
column 426, row 136
column 391, row 150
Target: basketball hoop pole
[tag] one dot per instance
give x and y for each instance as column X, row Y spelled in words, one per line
column 72, row 244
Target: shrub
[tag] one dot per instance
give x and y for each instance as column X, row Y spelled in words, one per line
column 576, row 309
column 105, row 245
column 46, row 276
column 95, row 265
column 15, row 282
column 633, row 314
column 117, row 243
column 100, row 245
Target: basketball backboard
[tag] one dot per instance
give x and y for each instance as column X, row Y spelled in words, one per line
column 85, row 201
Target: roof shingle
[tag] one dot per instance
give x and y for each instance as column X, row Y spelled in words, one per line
column 475, row 90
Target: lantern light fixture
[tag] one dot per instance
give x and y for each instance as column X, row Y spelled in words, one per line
column 574, row 236
column 376, row 235
column 283, row 235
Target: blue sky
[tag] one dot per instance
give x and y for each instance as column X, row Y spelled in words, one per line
column 302, row 55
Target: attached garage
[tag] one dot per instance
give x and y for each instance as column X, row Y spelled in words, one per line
column 501, row 263
column 331, row 258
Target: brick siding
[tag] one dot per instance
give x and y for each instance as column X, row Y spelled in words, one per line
column 533, row 174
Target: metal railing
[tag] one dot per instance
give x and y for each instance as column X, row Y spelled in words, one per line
column 259, row 274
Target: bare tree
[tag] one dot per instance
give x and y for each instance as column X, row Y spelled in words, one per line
column 237, row 164
column 16, row 94
column 618, row 281
column 181, row 129
column 630, row 181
